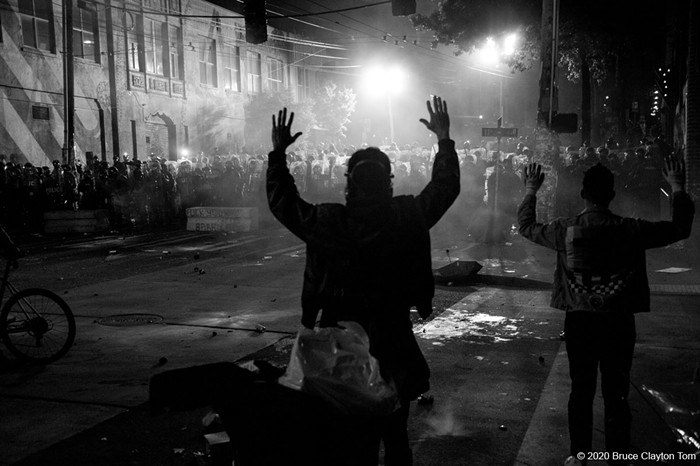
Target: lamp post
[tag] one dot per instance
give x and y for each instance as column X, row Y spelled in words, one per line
column 490, row 55
column 68, row 83
column 388, row 81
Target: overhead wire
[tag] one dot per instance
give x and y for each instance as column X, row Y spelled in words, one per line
column 434, row 54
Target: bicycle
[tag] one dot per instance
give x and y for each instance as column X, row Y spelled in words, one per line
column 36, row 325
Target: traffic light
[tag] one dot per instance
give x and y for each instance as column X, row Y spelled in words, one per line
column 403, row 7
column 255, row 21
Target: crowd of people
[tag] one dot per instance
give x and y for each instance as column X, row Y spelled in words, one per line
column 157, row 192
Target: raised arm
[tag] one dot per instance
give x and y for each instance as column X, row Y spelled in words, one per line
column 443, row 187
column 658, row 234
column 282, row 194
column 540, row 233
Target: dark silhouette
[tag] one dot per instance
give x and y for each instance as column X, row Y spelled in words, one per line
column 601, row 282
column 369, row 261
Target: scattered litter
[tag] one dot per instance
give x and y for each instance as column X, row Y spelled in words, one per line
column 424, row 400
column 165, row 252
column 113, row 251
column 260, row 328
column 502, row 427
column 104, row 439
column 480, row 358
column 61, row 278
column 505, row 363
column 178, row 451
column 527, row 399
column 509, row 271
column 562, row 336
column 210, row 418
column 673, row 270
column 249, row 366
column 267, row 258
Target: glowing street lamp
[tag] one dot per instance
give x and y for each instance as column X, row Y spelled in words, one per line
column 491, row 53
column 388, row 81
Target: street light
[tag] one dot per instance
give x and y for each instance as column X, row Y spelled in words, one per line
column 491, row 53
column 388, row 81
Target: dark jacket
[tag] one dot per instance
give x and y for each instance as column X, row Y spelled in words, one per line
column 625, row 241
column 370, row 261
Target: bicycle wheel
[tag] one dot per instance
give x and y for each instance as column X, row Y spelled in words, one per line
column 37, row 326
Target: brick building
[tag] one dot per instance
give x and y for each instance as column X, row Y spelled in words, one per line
column 150, row 77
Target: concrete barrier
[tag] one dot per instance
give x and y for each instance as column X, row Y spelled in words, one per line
column 222, row 219
column 76, row 221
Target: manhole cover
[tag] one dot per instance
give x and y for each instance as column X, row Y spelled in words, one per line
column 130, row 320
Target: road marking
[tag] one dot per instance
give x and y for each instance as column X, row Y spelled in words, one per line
column 675, row 289
column 548, row 425
column 285, row 250
column 232, row 245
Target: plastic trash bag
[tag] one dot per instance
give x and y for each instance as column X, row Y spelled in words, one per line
column 334, row 364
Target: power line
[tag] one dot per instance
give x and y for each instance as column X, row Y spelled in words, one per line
column 279, row 16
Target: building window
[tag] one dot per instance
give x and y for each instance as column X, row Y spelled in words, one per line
column 207, row 63
column 153, row 40
column 274, row 74
column 175, row 52
column 40, row 112
column 254, row 74
column 232, row 68
column 134, row 26
column 166, row 6
column 85, row 34
column 37, row 24
column 303, row 83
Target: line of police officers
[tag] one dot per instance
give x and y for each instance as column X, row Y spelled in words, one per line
column 157, row 192
column 151, row 193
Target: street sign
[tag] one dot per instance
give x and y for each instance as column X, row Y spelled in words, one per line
column 499, row 132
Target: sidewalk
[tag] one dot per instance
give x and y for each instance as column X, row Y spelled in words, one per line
column 499, row 373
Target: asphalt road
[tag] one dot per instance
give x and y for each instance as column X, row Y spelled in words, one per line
column 155, row 302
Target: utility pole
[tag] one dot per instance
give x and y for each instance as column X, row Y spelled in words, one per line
column 111, row 71
column 68, row 85
column 546, row 140
column 692, row 130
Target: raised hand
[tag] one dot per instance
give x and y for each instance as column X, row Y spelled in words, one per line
column 281, row 131
column 439, row 118
column 533, row 178
column 674, row 171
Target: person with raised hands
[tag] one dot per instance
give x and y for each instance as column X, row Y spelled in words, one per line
column 600, row 281
column 369, row 261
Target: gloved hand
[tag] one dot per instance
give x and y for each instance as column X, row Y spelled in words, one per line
column 533, row 178
column 674, row 171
